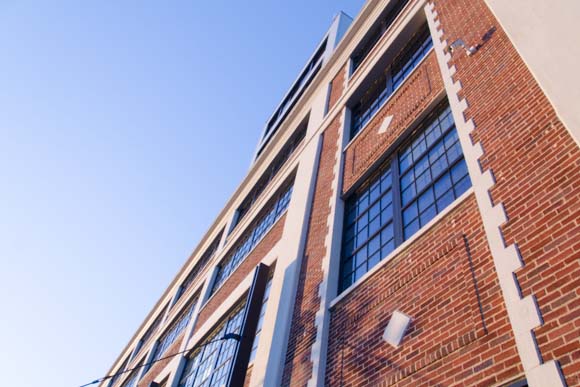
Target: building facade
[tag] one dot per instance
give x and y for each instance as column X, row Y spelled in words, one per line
column 411, row 218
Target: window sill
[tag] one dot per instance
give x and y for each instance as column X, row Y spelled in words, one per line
column 401, row 247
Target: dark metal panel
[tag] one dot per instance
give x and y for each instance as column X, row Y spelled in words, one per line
column 249, row 325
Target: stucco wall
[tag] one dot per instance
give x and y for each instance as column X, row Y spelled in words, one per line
column 545, row 33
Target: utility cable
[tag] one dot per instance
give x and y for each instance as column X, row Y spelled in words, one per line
column 227, row 336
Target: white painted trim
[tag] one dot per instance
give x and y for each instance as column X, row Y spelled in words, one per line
column 520, row 20
column 168, row 372
column 524, row 313
column 271, row 353
column 384, row 261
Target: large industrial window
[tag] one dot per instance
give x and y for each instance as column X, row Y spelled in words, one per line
column 210, row 364
column 299, row 86
column 254, row 235
column 174, row 330
column 199, row 266
column 412, row 186
column 133, row 377
column 382, row 88
column 376, row 33
column 272, row 171
column 261, row 318
column 150, row 331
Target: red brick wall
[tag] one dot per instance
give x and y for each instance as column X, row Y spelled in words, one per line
column 158, row 367
column 537, row 167
column 245, row 268
column 420, row 90
column 337, row 87
column 298, row 367
column 451, row 341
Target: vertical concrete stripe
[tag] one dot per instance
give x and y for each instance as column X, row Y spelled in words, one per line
column 322, row 318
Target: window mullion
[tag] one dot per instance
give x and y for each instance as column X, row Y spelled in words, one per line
column 397, row 208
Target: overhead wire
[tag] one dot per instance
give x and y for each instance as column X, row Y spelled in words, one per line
column 227, row 336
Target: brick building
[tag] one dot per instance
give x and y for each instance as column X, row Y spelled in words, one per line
column 411, row 217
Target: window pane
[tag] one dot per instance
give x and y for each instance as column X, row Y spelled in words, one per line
column 410, row 214
column 387, row 248
column 411, row 228
column 428, row 214
column 443, row 152
column 375, row 225
column 407, row 179
column 210, row 365
column 423, row 180
column 462, row 186
column 375, row 210
column 362, row 253
column 374, row 259
column 408, row 194
column 445, row 200
column 374, row 244
column 426, row 200
column 458, row 171
column 442, row 185
column 387, row 234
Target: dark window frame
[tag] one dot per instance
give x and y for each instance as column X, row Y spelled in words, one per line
column 264, row 306
column 374, row 223
column 254, row 233
column 295, row 93
column 198, row 267
column 375, row 34
column 271, row 172
column 173, row 331
column 395, row 73
column 153, row 328
column 119, row 371
column 218, row 357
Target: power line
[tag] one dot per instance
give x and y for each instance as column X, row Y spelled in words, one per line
column 227, row 336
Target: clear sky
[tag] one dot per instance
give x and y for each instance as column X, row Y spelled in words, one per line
column 125, row 127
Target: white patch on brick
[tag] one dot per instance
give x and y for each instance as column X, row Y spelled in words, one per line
column 396, row 328
column 524, row 314
column 385, row 124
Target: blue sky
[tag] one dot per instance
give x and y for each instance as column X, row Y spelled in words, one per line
column 125, row 127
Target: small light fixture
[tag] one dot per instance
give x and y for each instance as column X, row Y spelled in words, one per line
column 396, row 328
column 460, row 43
